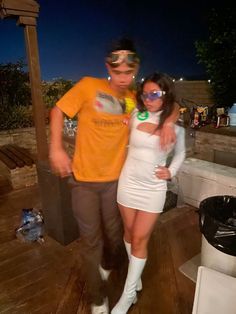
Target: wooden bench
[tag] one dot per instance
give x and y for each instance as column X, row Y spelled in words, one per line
column 14, row 156
column 19, row 165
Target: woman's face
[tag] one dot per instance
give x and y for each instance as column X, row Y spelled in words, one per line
column 152, row 96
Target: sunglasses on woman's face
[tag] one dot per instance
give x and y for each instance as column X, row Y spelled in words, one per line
column 121, row 56
column 154, row 95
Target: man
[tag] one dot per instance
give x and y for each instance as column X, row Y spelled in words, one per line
column 103, row 108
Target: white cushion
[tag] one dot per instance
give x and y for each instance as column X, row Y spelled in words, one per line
column 214, row 293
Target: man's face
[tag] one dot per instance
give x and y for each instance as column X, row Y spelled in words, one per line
column 121, row 76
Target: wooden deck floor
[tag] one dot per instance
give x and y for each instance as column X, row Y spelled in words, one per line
column 45, row 279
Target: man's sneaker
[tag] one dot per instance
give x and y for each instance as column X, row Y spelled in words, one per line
column 100, row 309
column 104, row 273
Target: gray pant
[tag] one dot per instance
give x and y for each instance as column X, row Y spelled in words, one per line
column 100, row 226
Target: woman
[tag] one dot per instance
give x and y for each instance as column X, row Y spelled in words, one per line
column 143, row 180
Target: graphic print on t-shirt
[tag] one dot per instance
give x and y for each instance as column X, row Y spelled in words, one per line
column 109, row 104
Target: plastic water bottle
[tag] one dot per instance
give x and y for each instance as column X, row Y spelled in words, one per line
column 232, row 115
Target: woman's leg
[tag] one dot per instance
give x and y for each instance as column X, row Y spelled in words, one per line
column 128, row 296
column 128, row 216
column 143, row 226
column 139, row 225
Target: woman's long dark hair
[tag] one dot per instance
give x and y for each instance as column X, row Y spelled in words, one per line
column 166, row 84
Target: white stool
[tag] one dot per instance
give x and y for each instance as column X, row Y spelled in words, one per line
column 214, row 293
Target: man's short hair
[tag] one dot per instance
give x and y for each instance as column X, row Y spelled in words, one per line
column 122, row 50
column 123, row 43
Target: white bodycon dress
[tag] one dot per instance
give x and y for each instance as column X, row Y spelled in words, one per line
column 138, row 186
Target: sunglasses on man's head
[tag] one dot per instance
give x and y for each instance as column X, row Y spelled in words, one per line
column 154, row 95
column 118, row 57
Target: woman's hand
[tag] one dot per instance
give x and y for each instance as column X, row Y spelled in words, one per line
column 162, row 173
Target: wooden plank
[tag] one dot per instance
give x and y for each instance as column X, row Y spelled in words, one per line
column 32, row 275
column 23, row 5
column 27, row 20
column 20, row 198
column 25, row 151
column 12, row 157
column 35, row 259
column 44, row 273
column 6, row 302
column 7, row 161
column 184, row 238
column 45, row 297
column 175, row 213
column 9, row 12
column 7, row 234
column 36, row 92
column 5, row 185
column 45, row 277
column 12, row 249
column 72, row 295
column 25, row 198
column 84, row 307
column 160, row 294
column 17, row 151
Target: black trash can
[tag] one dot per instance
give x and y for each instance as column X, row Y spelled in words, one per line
column 217, row 221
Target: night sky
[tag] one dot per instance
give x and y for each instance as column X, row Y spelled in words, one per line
column 73, row 36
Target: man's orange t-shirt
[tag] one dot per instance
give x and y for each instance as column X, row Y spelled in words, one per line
column 102, row 135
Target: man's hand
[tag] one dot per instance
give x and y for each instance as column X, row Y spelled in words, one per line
column 167, row 135
column 162, row 173
column 60, row 162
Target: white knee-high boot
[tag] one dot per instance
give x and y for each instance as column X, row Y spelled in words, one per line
column 104, row 272
column 129, row 296
column 139, row 286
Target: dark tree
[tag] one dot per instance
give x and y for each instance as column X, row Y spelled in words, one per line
column 218, row 55
column 15, row 97
column 14, row 85
column 54, row 90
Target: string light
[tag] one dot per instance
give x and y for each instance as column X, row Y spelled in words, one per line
column 182, row 79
